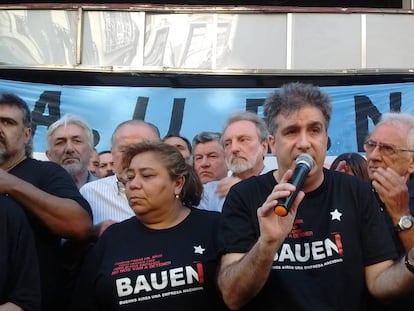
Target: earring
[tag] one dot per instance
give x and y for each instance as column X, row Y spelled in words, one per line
column 177, row 196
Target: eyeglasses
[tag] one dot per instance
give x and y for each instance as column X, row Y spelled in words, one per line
column 384, row 149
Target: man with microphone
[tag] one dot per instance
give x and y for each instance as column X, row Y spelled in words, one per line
column 324, row 249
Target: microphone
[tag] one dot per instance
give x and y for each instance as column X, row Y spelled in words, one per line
column 304, row 164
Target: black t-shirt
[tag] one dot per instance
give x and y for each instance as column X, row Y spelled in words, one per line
column 338, row 231
column 53, row 179
column 19, row 273
column 133, row 267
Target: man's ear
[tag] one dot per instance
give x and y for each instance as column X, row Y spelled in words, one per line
column 272, row 144
column 411, row 164
column 27, row 134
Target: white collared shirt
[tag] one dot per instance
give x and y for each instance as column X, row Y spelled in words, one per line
column 107, row 200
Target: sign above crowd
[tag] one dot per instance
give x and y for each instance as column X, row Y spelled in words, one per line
column 188, row 111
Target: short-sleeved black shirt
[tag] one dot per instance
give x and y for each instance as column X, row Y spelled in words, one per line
column 338, row 231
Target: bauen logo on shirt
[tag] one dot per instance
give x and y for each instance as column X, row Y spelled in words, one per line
column 309, row 253
column 155, row 279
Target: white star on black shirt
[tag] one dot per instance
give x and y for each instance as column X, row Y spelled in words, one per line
column 336, row 215
column 199, row 249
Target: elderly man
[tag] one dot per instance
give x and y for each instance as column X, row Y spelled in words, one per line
column 70, row 144
column 390, row 155
column 245, row 146
column 47, row 193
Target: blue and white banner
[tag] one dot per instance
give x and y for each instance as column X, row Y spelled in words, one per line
column 356, row 109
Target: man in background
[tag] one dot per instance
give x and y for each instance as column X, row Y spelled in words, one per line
column 182, row 144
column 245, row 145
column 106, row 164
column 94, row 163
column 390, row 156
column 70, row 144
column 208, row 157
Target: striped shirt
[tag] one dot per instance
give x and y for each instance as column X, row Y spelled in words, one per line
column 107, row 200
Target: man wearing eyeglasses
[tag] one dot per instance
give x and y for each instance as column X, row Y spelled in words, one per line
column 390, row 155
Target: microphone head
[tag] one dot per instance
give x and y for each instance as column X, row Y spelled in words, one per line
column 305, row 159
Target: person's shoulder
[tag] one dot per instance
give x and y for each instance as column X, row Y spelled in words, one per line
column 99, row 183
column 35, row 164
column 203, row 219
column 120, row 227
column 41, row 163
column 343, row 178
column 48, row 168
column 265, row 179
column 205, row 213
column 211, row 185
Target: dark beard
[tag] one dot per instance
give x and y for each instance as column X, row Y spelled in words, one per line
column 5, row 156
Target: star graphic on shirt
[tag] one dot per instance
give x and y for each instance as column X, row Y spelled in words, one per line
column 199, row 249
column 336, row 215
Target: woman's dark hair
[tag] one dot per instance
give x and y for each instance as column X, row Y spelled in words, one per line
column 176, row 165
column 356, row 162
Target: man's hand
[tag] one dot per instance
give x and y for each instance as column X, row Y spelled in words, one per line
column 342, row 167
column 225, row 184
column 242, row 276
column 274, row 228
column 393, row 191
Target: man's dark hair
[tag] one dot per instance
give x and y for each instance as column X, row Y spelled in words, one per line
column 205, row 137
column 9, row 99
column 14, row 100
column 187, row 142
column 292, row 97
column 104, row 151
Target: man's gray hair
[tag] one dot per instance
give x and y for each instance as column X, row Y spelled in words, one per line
column 70, row 119
column 261, row 127
column 400, row 118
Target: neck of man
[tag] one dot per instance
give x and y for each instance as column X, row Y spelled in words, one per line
column 13, row 161
column 254, row 171
column 80, row 178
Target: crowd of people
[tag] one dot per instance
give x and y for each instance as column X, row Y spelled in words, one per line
column 177, row 224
